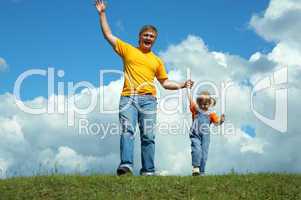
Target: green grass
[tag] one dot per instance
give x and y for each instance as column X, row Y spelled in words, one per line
column 252, row 186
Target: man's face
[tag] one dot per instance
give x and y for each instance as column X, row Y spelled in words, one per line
column 146, row 40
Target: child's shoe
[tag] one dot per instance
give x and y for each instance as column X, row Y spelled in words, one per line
column 195, row 171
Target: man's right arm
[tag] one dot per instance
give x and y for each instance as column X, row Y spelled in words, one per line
column 101, row 7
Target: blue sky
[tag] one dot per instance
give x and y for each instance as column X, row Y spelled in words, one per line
column 66, row 35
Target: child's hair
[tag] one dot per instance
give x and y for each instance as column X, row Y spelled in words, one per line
column 204, row 97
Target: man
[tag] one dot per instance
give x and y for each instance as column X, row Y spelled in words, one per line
column 138, row 103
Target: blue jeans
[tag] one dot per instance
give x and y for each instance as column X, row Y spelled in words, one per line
column 139, row 109
column 199, row 150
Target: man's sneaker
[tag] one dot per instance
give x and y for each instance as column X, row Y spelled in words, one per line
column 195, row 171
column 122, row 171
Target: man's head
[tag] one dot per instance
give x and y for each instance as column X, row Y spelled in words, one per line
column 147, row 37
column 205, row 101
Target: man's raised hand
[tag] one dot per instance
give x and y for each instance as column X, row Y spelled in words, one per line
column 100, row 6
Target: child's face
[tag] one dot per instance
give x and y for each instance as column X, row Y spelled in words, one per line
column 204, row 103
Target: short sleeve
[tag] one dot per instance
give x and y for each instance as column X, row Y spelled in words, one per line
column 121, row 47
column 161, row 73
column 214, row 118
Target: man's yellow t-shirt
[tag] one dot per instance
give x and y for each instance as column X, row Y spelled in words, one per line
column 140, row 69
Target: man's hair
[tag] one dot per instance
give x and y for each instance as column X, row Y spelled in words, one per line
column 148, row 27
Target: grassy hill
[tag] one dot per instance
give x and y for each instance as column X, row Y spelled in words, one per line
column 253, row 186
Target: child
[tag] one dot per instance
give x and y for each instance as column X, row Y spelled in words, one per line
column 200, row 130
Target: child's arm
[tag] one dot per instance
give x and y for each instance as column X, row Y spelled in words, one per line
column 189, row 88
column 192, row 104
column 190, row 98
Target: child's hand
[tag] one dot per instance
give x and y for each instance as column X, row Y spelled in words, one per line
column 222, row 118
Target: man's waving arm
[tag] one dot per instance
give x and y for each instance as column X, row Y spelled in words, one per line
column 172, row 85
column 106, row 30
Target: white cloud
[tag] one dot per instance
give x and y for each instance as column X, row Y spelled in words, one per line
column 220, row 58
column 4, row 166
column 286, row 55
column 70, row 160
column 280, row 22
column 278, row 8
